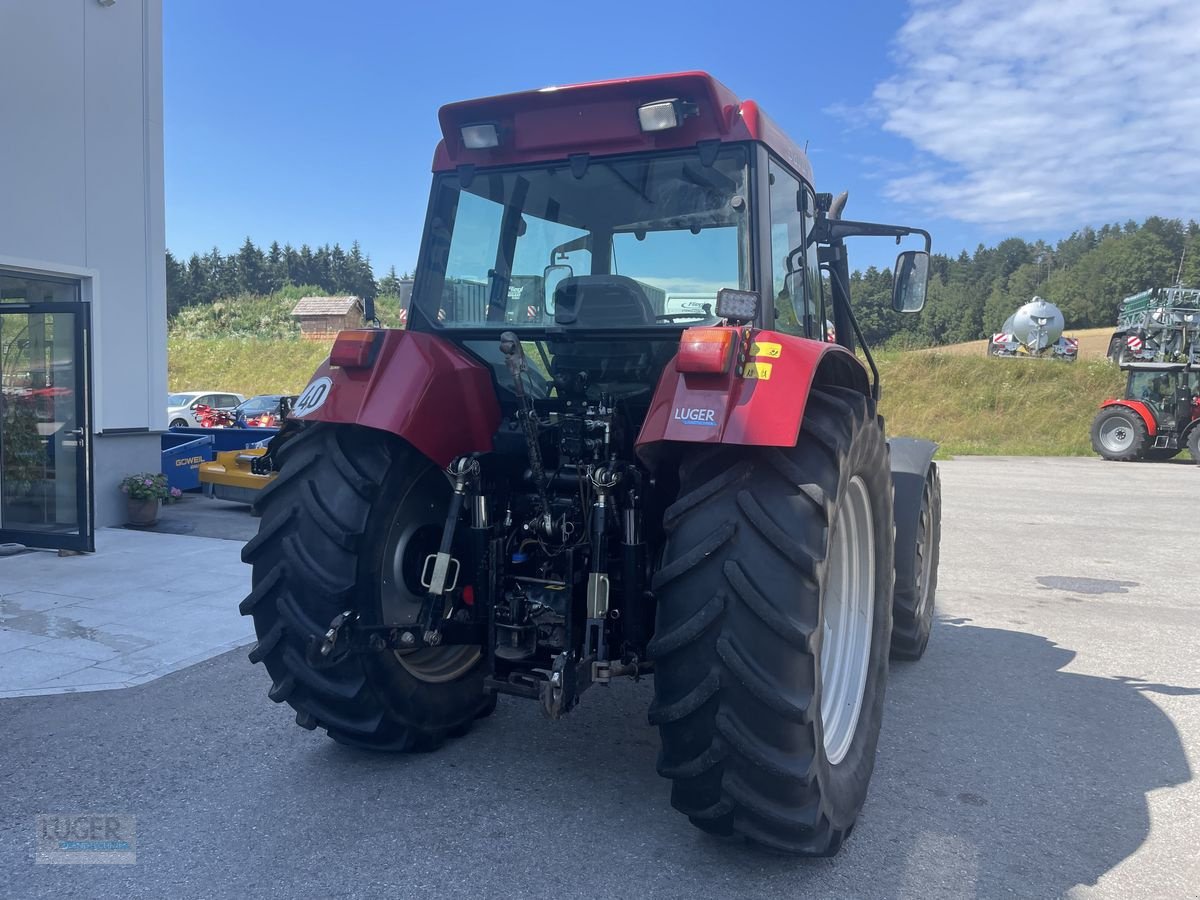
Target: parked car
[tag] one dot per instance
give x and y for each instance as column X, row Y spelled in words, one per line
column 263, row 411
column 181, row 407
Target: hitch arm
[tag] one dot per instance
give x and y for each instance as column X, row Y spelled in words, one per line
column 441, row 570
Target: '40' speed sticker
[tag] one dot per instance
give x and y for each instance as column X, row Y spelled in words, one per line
column 313, row 398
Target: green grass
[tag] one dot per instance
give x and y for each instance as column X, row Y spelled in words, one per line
column 246, row 365
column 970, row 405
column 1002, row 407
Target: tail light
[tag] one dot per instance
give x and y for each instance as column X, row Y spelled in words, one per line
column 354, row 349
column 706, row 350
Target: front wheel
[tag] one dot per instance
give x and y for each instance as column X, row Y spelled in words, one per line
column 179, row 423
column 1118, row 433
column 774, row 619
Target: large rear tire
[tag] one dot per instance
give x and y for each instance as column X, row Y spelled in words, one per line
column 916, row 585
column 1119, row 434
column 349, row 516
column 774, row 619
column 1193, row 443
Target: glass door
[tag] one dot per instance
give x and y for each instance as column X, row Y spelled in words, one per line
column 45, row 434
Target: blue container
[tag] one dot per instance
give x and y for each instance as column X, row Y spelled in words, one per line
column 181, row 458
column 228, row 438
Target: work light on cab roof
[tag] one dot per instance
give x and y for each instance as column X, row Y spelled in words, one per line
column 630, row 430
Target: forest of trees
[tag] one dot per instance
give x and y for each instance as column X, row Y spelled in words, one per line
column 1086, row 275
column 251, row 271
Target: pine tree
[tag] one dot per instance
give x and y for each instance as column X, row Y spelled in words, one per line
column 178, row 288
column 389, row 284
column 252, row 269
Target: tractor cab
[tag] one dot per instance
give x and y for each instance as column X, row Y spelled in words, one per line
column 1172, row 393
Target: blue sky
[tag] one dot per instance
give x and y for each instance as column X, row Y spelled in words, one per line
column 311, row 122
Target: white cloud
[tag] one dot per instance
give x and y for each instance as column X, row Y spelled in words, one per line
column 1048, row 113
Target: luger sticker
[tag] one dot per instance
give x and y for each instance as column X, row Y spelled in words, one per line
column 695, row 416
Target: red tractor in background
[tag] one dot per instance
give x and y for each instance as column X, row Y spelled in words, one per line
column 1157, row 418
column 614, row 441
column 211, row 417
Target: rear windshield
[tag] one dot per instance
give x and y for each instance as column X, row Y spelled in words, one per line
column 624, row 242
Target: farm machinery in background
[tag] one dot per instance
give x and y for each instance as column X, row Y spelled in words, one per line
column 1035, row 330
column 1158, row 417
column 1157, row 343
column 1158, row 325
column 536, row 492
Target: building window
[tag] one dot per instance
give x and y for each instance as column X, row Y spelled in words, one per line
column 18, row 287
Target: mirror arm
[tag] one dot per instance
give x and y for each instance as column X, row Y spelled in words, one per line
column 827, row 231
column 835, row 272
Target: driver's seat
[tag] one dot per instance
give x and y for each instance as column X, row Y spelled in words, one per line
column 596, row 302
column 601, row 301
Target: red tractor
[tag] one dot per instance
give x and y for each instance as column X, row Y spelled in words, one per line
column 614, row 441
column 1157, row 418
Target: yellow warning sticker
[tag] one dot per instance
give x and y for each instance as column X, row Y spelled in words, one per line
column 766, row 348
column 759, row 370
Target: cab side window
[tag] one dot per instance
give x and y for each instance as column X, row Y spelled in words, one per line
column 787, row 233
column 792, row 286
column 821, row 328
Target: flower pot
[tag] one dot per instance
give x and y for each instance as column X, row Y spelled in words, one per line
column 142, row 512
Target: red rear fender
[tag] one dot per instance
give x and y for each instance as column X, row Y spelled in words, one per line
column 759, row 402
column 419, row 387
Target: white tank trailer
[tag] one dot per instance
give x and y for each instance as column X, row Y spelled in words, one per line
column 1036, row 330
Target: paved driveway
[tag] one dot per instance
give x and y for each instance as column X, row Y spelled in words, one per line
column 1044, row 746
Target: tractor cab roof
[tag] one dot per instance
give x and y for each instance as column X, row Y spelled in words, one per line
column 602, row 118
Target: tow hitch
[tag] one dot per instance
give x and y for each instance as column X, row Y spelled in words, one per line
column 346, row 635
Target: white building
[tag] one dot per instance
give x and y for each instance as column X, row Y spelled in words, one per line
column 82, row 281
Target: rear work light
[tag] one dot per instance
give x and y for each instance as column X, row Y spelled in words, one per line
column 706, row 350
column 663, row 115
column 480, row 137
column 354, row 349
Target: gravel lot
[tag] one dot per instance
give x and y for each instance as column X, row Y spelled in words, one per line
column 1044, row 746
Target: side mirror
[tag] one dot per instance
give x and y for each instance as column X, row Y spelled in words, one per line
column 910, row 281
column 552, row 277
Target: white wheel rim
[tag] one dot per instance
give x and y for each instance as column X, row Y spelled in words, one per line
column 923, row 548
column 849, row 613
column 1116, row 434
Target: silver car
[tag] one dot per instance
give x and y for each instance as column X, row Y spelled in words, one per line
column 181, row 407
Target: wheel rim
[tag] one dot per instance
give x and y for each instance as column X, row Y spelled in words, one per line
column 415, row 532
column 923, row 553
column 1116, row 434
column 849, row 613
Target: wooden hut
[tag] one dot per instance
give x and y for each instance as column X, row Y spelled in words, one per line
column 321, row 318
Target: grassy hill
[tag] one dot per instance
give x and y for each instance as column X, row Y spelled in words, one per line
column 246, row 365
column 971, row 405
column 974, row 405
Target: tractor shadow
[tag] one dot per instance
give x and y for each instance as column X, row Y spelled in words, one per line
column 1013, row 775
column 998, row 773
